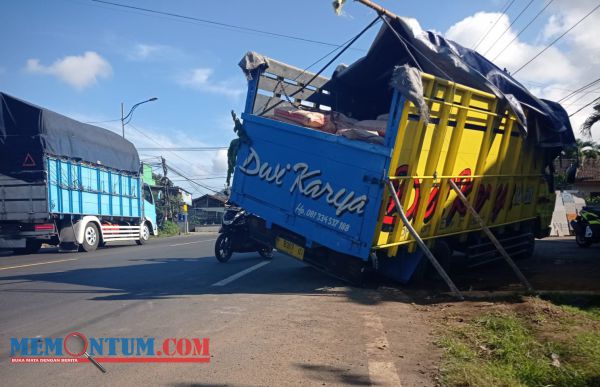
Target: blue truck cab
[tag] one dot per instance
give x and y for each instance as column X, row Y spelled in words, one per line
column 66, row 183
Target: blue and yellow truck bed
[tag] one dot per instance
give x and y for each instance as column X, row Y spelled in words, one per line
column 452, row 117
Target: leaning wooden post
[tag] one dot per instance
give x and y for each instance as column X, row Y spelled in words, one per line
column 422, row 244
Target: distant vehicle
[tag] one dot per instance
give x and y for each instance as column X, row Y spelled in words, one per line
column 63, row 182
column 235, row 237
column 587, row 226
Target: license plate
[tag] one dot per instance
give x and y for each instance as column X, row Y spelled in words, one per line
column 290, row 248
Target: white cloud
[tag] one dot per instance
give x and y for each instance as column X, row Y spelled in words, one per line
column 201, row 79
column 78, row 71
column 469, row 31
column 564, row 67
column 146, row 52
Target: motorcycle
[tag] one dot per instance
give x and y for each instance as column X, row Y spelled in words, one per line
column 587, row 226
column 235, row 237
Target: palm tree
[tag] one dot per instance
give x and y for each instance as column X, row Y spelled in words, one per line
column 587, row 150
column 586, row 128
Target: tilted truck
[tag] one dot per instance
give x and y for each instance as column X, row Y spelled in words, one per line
column 69, row 183
column 449, row 117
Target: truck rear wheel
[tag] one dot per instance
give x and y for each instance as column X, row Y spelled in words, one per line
column 32, row 246
column 145, row 235
column 91, row 237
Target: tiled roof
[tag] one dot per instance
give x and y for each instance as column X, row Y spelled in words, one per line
column 589, row 170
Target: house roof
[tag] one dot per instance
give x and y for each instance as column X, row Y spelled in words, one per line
column 221, row 198
column 588, row 171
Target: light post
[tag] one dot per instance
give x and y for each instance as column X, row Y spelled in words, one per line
column 129, row 115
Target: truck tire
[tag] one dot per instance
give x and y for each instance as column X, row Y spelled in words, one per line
column 32, row 246
column 91, row 237
column 145, row 235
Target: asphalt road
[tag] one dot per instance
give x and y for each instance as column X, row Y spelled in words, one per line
column 269, row 322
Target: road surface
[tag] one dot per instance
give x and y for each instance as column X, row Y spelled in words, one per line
column 269, row 322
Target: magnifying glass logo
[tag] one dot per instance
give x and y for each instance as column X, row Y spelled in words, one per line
column 76, row 344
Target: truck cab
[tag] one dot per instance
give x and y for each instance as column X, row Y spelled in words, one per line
column 149, row 208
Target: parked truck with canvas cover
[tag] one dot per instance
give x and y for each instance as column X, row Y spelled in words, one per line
column 316, row 155
column 69, row 183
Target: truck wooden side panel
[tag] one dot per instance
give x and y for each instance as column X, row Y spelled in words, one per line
column 475, row 142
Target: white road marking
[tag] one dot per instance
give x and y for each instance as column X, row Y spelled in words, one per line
column 242, row 273
column 190, row 243
column 39, row 263
column 382, row 370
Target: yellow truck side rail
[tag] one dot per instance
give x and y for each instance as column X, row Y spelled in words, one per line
column 473, row 139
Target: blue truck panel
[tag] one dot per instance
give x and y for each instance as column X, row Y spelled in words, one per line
column 85, row 190
column 326, row 188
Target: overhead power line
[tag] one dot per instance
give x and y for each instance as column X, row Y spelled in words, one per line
column 102, row 122
column 183, row 149
column 582, row 88
column 504, row 9
column 508, row 28
column 556, row 40
column 595, row 101
column 221, row 24
column 177, row 172
column 523, row 29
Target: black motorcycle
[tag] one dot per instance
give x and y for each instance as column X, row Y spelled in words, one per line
column 235, row 237
column 587, row 226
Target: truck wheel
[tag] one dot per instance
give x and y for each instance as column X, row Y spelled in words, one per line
column 91, row 237
column 145, row 235
column 32, row 246
column 581, row 241
column 223, row 248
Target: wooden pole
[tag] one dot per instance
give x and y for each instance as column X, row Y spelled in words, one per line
column 378, row 8
column 491, row 235
column 422, row 244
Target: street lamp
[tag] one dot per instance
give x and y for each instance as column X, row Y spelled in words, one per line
column 129, row 115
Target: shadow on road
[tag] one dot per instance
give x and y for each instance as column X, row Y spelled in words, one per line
column 329, row 374
column 558, row 265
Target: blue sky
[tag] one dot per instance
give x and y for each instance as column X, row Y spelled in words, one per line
column 82, row 58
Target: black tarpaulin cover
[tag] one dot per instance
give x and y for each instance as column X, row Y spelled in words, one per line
column 365, row 80
column 28, row 132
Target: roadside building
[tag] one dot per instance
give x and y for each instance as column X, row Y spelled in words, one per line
column 207, row 209
column 571, row 198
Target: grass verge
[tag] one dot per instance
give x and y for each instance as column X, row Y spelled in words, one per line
column 168, row 229
column 532, row 342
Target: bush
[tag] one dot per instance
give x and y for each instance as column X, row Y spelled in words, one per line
column 168, row 228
